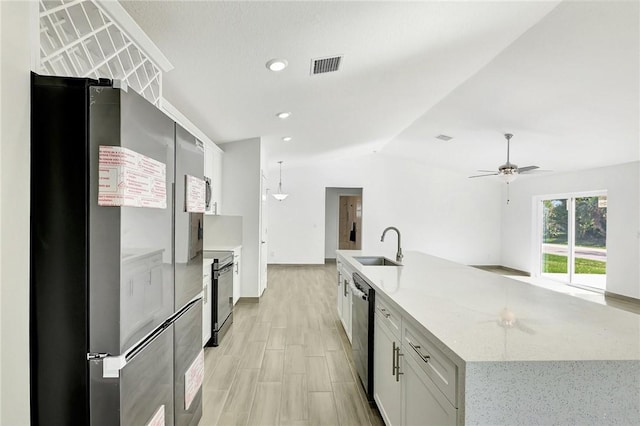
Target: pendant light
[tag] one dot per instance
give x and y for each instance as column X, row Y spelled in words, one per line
column 280, row 195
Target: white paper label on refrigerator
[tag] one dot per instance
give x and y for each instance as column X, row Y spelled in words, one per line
column 128, row 178
column 193, row 379
column 195, row 194
column 158, row 418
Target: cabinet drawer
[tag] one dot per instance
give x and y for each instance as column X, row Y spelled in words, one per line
column 390, row 316
column 432, row 361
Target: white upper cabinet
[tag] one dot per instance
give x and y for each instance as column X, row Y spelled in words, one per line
column 213, row 177
column 212, row 158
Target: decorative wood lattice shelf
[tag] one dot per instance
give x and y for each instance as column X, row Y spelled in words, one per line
column 78, row 39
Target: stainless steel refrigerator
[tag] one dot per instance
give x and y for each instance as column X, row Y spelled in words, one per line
column 112, row 316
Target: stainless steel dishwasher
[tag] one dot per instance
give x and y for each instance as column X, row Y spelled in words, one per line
column 362, row 331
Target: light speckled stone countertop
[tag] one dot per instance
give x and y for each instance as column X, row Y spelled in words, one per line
column 484, row 317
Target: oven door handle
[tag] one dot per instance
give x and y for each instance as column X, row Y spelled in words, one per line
column 224, row 270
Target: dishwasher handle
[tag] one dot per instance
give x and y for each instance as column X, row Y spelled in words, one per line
column 357, row 292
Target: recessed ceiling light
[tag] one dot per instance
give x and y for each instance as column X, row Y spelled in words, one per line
column 277, row 64
column 287, row 138
column 283, row 115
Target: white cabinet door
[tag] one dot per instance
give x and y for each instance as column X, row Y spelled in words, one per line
column 216, row 181
column 339, row 292
column 237, row 274
column 213, row 174
column 347, row 307
column 386, row 390
column 209, row 173
column 345, row 294
column 208, row 160
column 423, row 402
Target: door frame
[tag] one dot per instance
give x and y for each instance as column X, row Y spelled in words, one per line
column 330, row 221
column 338, row 218
column 537, row 240
column 263, row 241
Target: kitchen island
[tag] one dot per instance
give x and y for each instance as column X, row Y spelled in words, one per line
column 519, row 354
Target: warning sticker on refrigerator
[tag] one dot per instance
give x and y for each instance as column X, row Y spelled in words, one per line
column 128, row 178
column 193, row 379
column 158, row 418
column 195, row 194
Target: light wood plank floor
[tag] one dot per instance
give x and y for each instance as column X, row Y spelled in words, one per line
column 286, row 360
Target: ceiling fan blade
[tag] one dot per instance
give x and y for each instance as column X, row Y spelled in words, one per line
column 491, row 174
column 527, row 169
column 538, row 171
column 487, row 171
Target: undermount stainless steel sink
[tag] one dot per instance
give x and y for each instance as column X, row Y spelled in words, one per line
column 375, row 261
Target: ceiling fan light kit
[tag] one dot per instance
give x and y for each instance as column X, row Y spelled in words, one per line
column 508, row 175
column 508, row 172
column 280, row 195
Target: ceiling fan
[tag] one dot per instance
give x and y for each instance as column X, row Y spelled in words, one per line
column 508, row 171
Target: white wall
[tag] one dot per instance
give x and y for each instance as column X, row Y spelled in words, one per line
column 241, row 197
column 622, row 183
column 222, row 231
column 332, row 217
column 14, row 214
column 438, row 212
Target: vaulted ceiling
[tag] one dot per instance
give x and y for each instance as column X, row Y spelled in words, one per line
column 562, row 76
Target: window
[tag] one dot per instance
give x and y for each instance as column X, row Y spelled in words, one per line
column 572, row 239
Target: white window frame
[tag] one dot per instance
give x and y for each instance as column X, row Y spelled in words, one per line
column 537, row 240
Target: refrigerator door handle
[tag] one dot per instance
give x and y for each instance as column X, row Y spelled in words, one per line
column 96, row 356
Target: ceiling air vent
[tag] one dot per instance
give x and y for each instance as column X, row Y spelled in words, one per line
column 444, row 138
column 323, row 65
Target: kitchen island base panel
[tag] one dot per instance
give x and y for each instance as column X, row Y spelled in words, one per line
column 518, row 354
column 568, row 392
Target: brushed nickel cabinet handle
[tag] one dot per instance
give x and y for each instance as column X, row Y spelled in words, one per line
column 416, row 348
column 398, row 355
column 393, row 359
column 384, row 312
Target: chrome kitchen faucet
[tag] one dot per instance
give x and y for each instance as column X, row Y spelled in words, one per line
column 399, row 253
